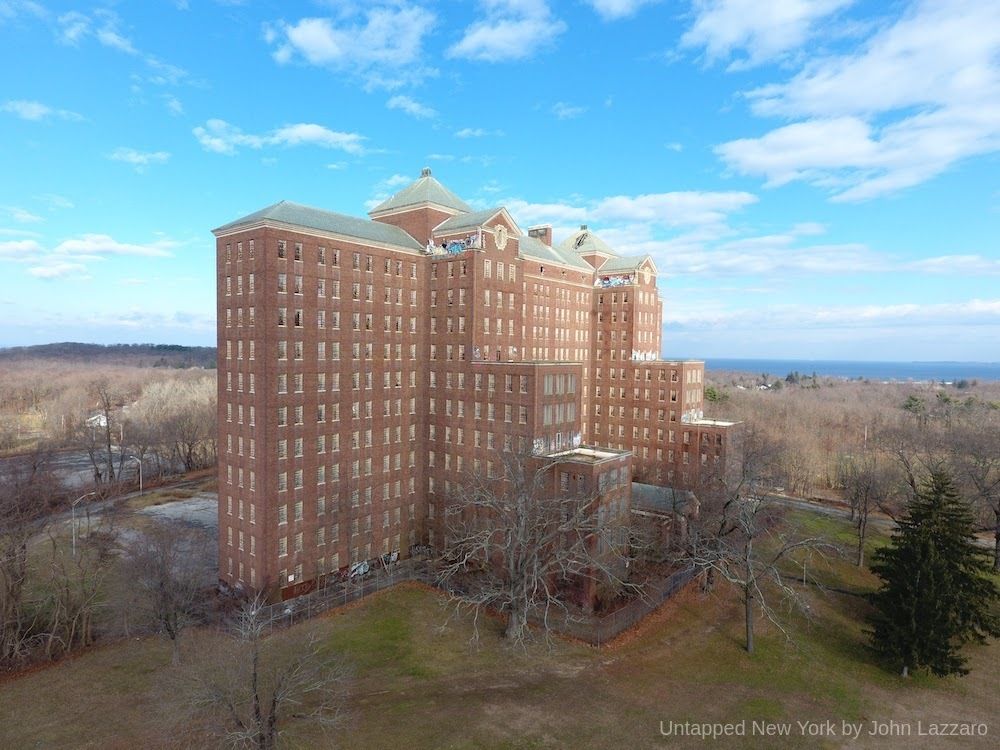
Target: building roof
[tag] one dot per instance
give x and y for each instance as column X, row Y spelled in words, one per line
column 535, row 248
column 425, row 190
column 584, row 241
column 296, row 214
column 626, row 263
column 467, row 220
column 663, row 500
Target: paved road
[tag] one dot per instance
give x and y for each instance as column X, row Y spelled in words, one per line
column 875, row 520
column 75, row 469
column 202, row 510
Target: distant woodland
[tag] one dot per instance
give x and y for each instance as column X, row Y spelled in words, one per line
column 870, row 444
column 818, row 421
column 135, row 355
column 156, row 402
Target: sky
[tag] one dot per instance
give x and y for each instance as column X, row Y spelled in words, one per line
column 815, row 179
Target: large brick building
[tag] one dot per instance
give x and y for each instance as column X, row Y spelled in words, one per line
column 366, row 366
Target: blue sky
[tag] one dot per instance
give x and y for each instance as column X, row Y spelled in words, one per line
column 814, row 179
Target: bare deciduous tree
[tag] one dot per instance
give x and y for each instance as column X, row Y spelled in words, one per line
column 107, row 404
column 247, row 692
column 29, row 490
column 519, row 546
column 166, row 568
column 740, row 536
column 975, row 456
column 75, row 584
column 867, row 486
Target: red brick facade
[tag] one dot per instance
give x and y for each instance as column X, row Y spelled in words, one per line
column 359, row 381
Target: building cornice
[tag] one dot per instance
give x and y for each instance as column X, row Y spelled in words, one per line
column 311, row 232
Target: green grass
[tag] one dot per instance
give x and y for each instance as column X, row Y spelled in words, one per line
column 159, row 497
column 419, row 683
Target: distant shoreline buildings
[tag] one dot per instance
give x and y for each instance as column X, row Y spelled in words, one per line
column 367, row 365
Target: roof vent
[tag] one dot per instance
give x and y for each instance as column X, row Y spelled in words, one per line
column 583, row 227
column 425, row 172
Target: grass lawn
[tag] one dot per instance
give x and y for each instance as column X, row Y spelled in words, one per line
column 419, row 683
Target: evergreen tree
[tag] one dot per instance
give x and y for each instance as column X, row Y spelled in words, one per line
column 937, row 593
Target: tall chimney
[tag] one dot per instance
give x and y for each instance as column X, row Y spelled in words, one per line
column 542, row 232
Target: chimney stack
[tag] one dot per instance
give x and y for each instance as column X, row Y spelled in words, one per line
column 542, row 232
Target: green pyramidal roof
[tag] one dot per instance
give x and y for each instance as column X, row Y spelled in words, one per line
column 584, row 242
column 424, row 190
column 626, row 263
column 467, row 220
column 296, row 214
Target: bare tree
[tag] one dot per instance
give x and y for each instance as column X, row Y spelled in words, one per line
column 247, row 693
column 75, row 586
column 519, row 545
column 177, row 420
column 106, row 400
column 740, row 535
column 867, row 486
column 976, row 461
column 29, row 490
column 166, row 568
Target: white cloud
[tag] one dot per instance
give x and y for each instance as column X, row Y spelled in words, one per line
column 13, row 10
column 395, row 181
column 73, row 27
column 57, row 270
column 959, row 264
column 19, row 249
column 55, row 201
column 476, row 133
column 675, row 147
column 796, row 317
column 139, row 159
column 99, row 245
column 103, row 25
column 674, row 209
column 109, row 36
column 527, row 214
column 441, row 157
column 164, row 73
column 305, row 133
column 173, row 105
column 683, row 208
column 921, row 95
column 509, row 30
column 411, row 107
column 383, row 44
column 222, row 138
column 28, row 109
column 565, row 111
column 612, row 10
column 763, row 30
column 20, row 215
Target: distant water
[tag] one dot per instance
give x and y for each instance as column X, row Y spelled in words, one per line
column 916, row 371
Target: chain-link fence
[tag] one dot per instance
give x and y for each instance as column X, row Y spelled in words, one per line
column 597, row 629
column 590, row 628
column 337, row 593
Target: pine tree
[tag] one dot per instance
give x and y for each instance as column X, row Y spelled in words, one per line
column 937, row 593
